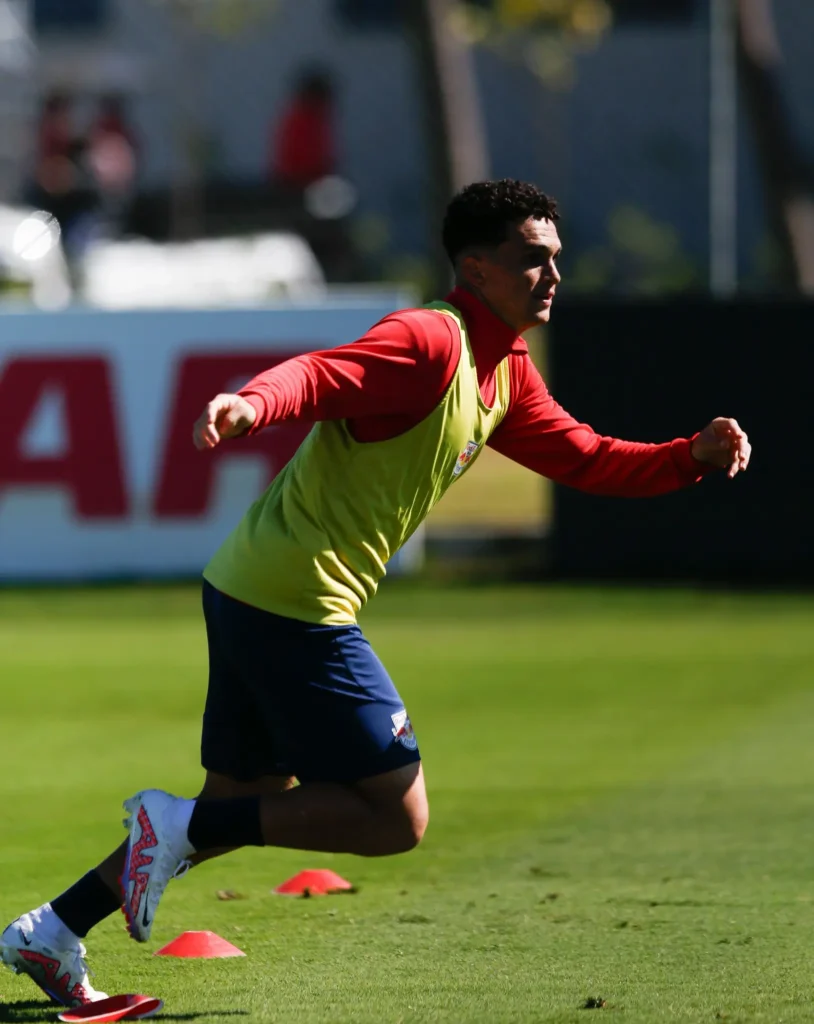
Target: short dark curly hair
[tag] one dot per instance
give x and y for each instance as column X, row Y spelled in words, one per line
column 481, row 213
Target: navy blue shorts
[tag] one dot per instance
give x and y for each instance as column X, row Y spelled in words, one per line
column 293, row 698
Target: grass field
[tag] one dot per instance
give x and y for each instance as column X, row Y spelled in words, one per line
column 622, row 797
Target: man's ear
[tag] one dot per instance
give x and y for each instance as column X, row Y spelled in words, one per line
column 471, row 269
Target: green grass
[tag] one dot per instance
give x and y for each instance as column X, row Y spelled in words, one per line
column 622, row 802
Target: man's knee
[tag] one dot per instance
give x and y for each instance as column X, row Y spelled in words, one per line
column 414, row 829
column 400, row 833
column 398, row 800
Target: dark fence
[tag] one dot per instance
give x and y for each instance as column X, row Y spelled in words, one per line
column 652, row 372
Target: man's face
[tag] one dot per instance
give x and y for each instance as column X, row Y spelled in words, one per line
column 518, row 278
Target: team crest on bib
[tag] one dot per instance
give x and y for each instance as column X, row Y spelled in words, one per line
column 465, row 457
column 403, row 730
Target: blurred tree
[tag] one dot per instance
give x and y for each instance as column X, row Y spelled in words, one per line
column 443, row 33
column 454, row 134
column 545, row 35
column 787, row 174
column 562, row 11
column 222, row 17
column 194, row 20
column 641, row 256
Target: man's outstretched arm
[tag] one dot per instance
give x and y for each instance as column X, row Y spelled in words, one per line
column 397, row 373
column 539, row 434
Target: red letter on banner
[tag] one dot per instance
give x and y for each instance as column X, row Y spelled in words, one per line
column 187, row 475
column 90, row 466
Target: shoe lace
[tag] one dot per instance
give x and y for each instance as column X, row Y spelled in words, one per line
column 182, row 869
column 80, row 962
column 172, row 868
column 13, row 967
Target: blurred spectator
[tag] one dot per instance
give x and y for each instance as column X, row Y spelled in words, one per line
column 113, row 152
column 77, row 206
column 55, row 135
column 62, row 183
column 303, row 146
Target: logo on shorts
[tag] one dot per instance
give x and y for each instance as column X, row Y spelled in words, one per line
column 465, row 457
column 403, row 730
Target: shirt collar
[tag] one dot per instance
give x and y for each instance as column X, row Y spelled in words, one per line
column 487, row 332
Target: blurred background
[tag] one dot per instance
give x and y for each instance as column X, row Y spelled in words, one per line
column 191, row 190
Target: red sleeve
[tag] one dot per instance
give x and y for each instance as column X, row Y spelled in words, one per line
column 540, row 435
column 400, row 367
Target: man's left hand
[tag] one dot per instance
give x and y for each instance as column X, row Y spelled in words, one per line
column 724, row 444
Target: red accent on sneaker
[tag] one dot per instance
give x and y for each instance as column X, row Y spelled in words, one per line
column 59, row 989
column 138, row 860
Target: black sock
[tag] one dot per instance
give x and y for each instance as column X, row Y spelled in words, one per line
column 85, row 904
column 232, row 822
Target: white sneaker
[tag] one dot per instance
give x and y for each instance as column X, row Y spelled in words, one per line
column 61, row 973
column 156, row 852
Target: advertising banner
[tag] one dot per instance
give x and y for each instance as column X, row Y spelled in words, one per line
column 98, row 474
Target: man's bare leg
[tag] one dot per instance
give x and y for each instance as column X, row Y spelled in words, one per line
column 380, row 815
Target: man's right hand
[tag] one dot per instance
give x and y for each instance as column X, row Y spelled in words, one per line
column 224, row 416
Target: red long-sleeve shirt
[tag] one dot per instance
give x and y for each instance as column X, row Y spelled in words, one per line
column 394, row 376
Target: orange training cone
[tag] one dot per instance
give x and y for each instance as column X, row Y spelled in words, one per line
column 199, row 944
column 128, row 1007
column 314, row 883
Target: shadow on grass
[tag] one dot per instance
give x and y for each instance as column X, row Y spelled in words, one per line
column 28, row 1011
column 197, row 1016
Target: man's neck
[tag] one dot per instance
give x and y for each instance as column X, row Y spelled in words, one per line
column 467, row 287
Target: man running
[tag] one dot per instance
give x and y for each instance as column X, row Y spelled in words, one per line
column 296, row 694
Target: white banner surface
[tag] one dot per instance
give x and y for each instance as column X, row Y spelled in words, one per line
column 98, row 474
